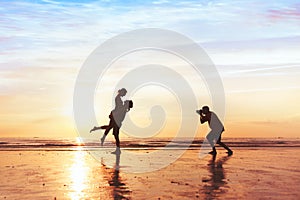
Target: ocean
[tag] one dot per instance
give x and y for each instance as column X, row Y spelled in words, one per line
column 61, row 144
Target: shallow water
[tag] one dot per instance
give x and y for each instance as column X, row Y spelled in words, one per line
column 143, row 143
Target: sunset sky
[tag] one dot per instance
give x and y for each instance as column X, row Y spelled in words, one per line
column 255, row 46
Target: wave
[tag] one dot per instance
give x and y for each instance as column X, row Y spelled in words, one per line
column 148, row 143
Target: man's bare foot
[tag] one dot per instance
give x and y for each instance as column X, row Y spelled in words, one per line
column 102, row 141
column 117, row 151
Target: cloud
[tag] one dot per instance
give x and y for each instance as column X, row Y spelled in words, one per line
column 259, row 70
column 263, row 90
column 44, row 43
column 291, row 12
column 36, row 82
column 51, row 22
column 285, row 119
column 265, row 122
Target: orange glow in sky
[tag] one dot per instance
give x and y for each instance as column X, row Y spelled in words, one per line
column 257, row 57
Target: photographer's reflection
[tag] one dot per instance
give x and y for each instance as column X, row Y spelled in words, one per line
column 120, row 190
column 216, row 184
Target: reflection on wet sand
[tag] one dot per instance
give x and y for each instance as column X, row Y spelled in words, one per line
column 216, row 184
column 78, row 175
column 120, row 190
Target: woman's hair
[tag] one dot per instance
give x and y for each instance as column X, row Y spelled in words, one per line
column 123, row 90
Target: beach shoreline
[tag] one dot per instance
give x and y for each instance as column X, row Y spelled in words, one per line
column 250, row 173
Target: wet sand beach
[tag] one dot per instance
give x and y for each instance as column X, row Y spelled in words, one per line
column 250, row 173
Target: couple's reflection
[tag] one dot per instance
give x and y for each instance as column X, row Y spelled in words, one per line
column 216, row 184
column 120, row 190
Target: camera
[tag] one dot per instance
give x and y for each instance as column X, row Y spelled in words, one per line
column 199, row 111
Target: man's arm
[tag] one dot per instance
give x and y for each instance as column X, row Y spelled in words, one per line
column 203, row 118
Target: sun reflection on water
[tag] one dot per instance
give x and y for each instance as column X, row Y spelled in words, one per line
column 78, row 175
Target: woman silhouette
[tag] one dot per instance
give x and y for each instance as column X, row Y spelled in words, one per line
column 116, row 116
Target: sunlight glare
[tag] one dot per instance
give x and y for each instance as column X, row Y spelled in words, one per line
column 78, row 175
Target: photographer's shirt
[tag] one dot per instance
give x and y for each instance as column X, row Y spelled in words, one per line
column 213, row 121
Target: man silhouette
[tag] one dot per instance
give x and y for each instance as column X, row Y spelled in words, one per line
column 217, row 128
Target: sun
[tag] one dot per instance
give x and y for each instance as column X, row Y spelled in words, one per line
column 79, row 141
